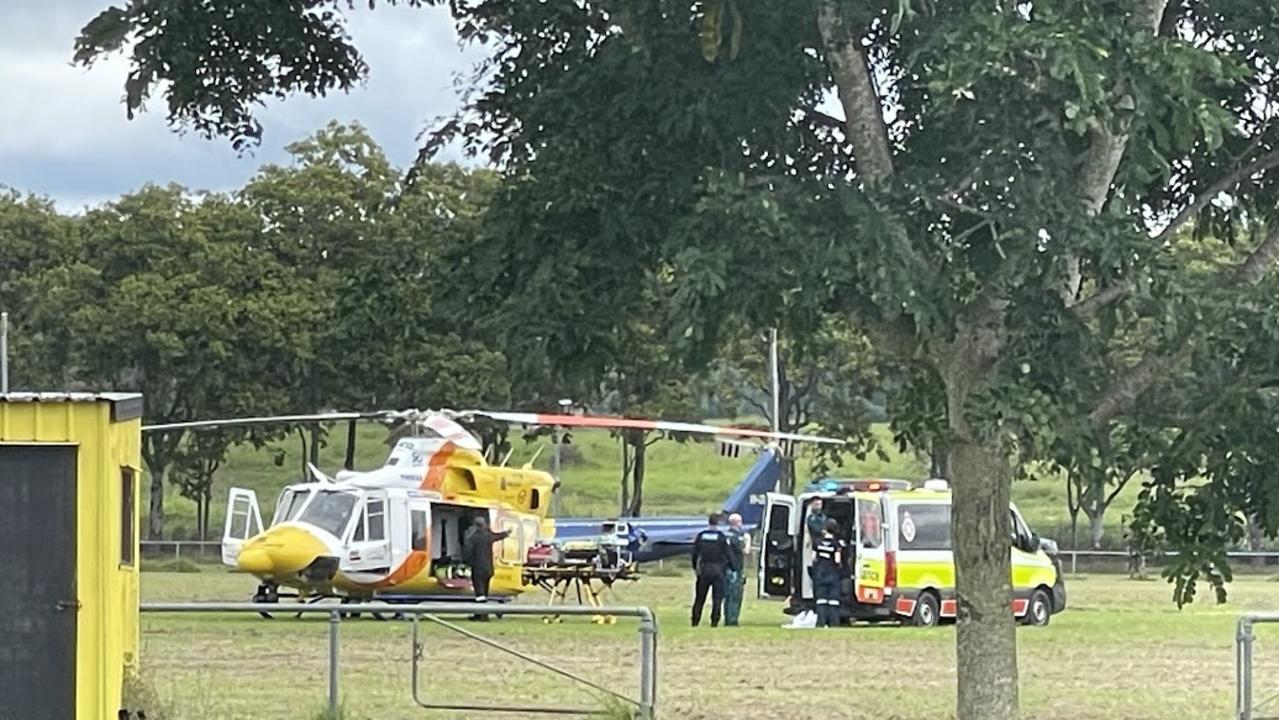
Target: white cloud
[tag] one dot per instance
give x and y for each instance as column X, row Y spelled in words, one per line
column 65, row 132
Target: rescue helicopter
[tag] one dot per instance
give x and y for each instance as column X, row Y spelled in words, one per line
column 395, row 533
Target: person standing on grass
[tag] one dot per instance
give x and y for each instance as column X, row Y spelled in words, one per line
column 739, row 543
column 711, row 562
column 477, row 550
column 828, row 558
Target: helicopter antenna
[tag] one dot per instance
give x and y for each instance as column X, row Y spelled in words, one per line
column 533, row 459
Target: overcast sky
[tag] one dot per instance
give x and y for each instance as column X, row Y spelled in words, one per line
column 63, row 132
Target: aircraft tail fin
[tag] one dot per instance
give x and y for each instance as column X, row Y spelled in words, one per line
column 747, row 499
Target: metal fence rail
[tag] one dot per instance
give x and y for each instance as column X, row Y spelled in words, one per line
column 645, row 703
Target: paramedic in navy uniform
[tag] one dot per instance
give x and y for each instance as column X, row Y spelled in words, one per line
column 711, row 562
column 828, row 557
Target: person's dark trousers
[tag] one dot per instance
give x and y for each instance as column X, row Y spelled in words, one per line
column 827, row 592
column 709, row 579
column 480, row 583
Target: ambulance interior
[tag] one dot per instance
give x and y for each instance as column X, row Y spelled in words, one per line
column 448, row 527
column 848, row 512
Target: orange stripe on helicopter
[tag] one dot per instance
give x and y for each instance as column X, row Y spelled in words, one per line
column 414, row 564
column 438, row 467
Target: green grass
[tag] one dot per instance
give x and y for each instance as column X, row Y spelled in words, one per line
column 1121, row 650
column 683, row 478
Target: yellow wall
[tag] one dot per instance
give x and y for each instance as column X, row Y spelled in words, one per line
column 107, row 623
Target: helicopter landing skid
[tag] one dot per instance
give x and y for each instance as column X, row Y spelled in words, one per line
column 269, row 594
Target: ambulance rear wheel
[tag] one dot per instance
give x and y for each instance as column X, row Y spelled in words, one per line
column 925, row 614
column 1040, row 609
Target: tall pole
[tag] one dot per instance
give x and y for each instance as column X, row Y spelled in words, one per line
column 566, row 407
column 775, row 374
column 4, row 353
column 555, row 472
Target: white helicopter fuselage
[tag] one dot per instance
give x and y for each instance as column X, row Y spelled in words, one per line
column 377, row 533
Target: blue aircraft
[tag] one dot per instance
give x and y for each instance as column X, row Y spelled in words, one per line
column 667, row 536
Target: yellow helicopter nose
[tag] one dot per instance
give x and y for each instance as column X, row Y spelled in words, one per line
column 280, row 552
column 256, row 561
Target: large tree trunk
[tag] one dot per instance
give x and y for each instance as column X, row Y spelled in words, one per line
column 1073, row 510
column 155, row 516
column 637, row 475
column 981, row 478
column 1095, row 527
column 938, row 462
column 985, row 636
column 786, row 475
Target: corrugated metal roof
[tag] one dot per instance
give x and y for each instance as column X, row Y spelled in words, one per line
column 124, row 405
column 68, row 396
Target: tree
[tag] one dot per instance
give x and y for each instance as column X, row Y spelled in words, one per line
column 376, row 252
column 33, row 239
column 179, row 300
column 646, row 380
column 995, row 194
column 826, row 380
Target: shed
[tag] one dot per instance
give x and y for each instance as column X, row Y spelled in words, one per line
column 70, row 466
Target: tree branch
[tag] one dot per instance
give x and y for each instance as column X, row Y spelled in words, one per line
column 1260, row 261
column 766, row 412
column 866, row 128
column 1093, row 303
column 1123, row 393
column 1243, row 171
column 1119, row 486
column 1105, row 150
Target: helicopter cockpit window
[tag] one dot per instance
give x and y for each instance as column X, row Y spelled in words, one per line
column 291, row 502
column 330, row 511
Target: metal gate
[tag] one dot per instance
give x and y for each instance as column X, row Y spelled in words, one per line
column 645, row 701
column 1246, row 706
column 38, row 606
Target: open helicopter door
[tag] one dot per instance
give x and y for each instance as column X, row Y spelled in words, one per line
column 780, row 554
column 243, row 521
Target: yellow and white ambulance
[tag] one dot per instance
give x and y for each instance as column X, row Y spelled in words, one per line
column 899, row 565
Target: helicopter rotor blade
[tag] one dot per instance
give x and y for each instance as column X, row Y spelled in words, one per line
column 604, row 421
column 270, row 420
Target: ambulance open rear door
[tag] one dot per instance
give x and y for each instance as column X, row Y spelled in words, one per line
column 779, row 552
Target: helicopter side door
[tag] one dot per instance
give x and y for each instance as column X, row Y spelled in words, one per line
column 369, row 549
column 243, row 521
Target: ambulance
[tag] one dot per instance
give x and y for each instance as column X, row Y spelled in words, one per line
column 899, row 565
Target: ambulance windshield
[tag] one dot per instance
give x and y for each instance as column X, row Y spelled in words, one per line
column 330, row 511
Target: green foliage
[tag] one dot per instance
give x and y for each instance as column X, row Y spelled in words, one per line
column 320, row 284
column 1000, row 210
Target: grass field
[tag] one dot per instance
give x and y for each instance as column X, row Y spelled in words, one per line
column 682, row 478
column 1121, row 650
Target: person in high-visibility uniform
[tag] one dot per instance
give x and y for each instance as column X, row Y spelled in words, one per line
column 828, row 558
